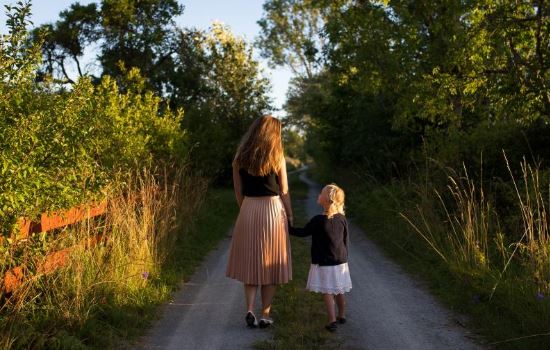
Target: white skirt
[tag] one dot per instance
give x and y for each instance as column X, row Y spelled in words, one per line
column 329, row 279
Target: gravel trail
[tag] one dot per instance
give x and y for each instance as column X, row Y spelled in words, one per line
column 387, row 309
column 207, row 313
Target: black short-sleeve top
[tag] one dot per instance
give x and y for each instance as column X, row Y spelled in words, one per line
column 259, row 186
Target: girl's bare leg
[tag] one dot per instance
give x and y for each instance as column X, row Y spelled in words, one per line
column 341, row 303
column 250, row 296
column 329, row 303
column 268, row 292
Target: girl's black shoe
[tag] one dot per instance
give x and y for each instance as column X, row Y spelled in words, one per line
column 331, row 327
column 265, row 322
column 251, row 320
column 341, row 320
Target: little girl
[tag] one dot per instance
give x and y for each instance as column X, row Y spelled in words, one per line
column 329, row 272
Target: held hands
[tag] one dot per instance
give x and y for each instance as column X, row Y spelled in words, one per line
column 290, row 219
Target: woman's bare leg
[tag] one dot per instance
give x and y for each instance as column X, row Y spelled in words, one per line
column 250, row 296
column 268, row 292
column 329, row 303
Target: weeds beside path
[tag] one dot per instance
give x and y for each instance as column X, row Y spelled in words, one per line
column 108, row 294
column 481, row 246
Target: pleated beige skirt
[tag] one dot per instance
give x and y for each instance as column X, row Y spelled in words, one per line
column 260, row 247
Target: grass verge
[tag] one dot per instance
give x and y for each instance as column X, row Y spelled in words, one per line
column 299, row 314
column 108, row 294
column 214, row 218
column 507, row 310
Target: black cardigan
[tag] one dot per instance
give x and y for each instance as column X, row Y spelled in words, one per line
column 329, row 239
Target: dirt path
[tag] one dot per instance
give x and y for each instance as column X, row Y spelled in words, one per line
column 207, row 313
column 387, row 308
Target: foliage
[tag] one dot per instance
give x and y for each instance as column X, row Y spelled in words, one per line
column 139, row 33
column 291, row 35
column 396, row 74
column 211, row 74
column 58, row 149
column 232, row 93
column 294, row 145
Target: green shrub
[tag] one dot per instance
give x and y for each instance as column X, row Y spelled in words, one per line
column 59, row 148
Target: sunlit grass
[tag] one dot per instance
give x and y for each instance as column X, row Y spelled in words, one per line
column 156, row 232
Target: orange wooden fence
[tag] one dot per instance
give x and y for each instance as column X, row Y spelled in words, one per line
column 50, row 221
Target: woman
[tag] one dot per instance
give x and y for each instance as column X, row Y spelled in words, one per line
column 260, row 247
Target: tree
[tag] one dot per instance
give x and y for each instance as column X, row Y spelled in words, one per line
column 229, row 94
column 138, row 33
column 291, row 35
column 211, row 75
column 67, row 39
column 394, row 74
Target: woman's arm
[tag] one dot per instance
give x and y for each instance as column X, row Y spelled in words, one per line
column 284, row 192
column 305, row 231
column 237, row 185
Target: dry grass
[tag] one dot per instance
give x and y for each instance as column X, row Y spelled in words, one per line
column 481, row 244
column 464, row 230
column 111, row 265
column 461, row 235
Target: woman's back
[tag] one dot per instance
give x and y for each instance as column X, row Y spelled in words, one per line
column 259, row 186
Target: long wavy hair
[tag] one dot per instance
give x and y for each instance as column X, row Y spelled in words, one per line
column 261, row 149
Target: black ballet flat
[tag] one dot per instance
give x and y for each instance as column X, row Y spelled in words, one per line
column 265, row 322
column 331, row 327
column 341, row 320
column 251, row 320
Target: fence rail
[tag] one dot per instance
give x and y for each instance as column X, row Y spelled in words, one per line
column 13, row 278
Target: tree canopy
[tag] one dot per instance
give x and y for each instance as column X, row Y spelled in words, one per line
column 394, row 74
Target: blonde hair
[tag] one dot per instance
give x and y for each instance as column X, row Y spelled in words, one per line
column 261, row 149
column 336, row 198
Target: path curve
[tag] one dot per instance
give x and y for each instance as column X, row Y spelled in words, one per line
column 387, row 309
column 207, row 313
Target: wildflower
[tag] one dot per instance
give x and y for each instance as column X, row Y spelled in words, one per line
column 540, row 296
column 145, row 275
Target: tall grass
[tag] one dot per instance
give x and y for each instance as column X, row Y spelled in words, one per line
column 483, row 244
column 112, row 270
column 458, row 231
column 463, row 226
column 535, row 240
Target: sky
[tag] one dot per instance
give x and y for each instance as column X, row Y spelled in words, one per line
column 239, row 15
